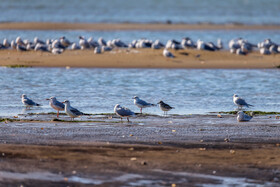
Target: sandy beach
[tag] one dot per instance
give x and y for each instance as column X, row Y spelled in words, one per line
column 151, row 150
column 129, row 26
column 139, row 58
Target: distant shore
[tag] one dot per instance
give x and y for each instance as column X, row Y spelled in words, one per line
column 129, row 26
column 139, row 58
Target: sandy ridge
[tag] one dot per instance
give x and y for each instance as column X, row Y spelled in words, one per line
column 139, row 58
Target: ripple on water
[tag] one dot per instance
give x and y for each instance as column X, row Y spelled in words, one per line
column 98, row 90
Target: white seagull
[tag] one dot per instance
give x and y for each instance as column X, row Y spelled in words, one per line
column 241, row 116
column 123, row 112
column 167, row 53
column 240, row 102
column 141, row 103
column 55, row 104
column 28, row 102
column 70, row 111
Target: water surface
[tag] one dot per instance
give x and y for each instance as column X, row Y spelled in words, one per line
column 99, row 90
column 144, row 11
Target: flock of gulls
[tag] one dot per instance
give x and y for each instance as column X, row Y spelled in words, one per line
column 124, row 112
column 237, row 46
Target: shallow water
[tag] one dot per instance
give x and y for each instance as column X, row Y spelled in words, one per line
column 98, row 90
column 135, row 179
column 163, row 36
column 190, row 11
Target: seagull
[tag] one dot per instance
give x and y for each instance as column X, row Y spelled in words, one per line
column 64, row 41
column 102, row 42
column 83, row 43
column 55, row 104
column 123, row 112
column 70, row 111
column 6, row 43
column 164, row 107
column 37, row 40
column 97, row 50
column 28, row 102
column 167, row 53
column 20, row 48
column 141, row 103
column 241, row 116
column 240, row 102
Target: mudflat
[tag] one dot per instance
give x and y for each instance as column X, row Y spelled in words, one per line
column 150, row 150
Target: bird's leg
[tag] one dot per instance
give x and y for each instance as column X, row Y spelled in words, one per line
column 141, row 110
column 121, row 119
column 127, row 119
column 57, row 115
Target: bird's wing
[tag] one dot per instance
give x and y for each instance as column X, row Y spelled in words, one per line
column 76, row 111
column 247, row 117
column 124, row 111
column 61, row 105
column 29, row 102
column 142, row 102
column 241, row 101
column 167, row 106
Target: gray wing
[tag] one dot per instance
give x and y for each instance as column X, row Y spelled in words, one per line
column 144, row 103
column 76, row 111
column 59, row 104
column 29, row 102
column 124, row 112
column 247, row 117
column 167, row 106
column 241, row 101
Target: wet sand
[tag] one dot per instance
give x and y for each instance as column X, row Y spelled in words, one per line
column 129, row 26
column 150, row 150
column 139, row 58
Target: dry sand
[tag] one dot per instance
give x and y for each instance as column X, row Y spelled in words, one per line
column 130, row 26
column 139, row 58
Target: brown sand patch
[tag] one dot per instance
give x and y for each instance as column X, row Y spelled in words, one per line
column 253, row 161
column 139, row 58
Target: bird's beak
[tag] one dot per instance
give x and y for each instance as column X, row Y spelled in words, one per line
column 48, row 99
column 63, row 102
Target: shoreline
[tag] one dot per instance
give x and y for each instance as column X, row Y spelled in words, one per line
column 129, row 26
column 139, row 58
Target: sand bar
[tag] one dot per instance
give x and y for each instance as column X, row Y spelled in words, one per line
column 139, row 58
column 129, row 26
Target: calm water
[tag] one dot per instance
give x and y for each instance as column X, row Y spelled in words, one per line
column 189, row 11
column 128, row 36
column 98, row 90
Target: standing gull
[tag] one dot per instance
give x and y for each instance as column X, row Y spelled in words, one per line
column 70, row 111
column 241, row 116
column 55, row 104
column 164, row 107
column 141, row 103
column 240, row 102
column 123, row 112
column 28, row 102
